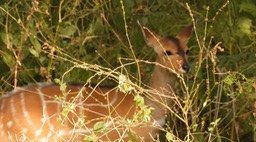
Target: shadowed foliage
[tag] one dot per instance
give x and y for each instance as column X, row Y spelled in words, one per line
column 41, row 41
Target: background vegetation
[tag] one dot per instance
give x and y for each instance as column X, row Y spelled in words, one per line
column 44, row 40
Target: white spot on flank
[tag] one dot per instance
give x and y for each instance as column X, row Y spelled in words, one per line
column 43, row 140
column 38, row 132
column 25, row 130
column 2, row 132
column 9, row 124
column 51, row 127
column 62, row 132
column 49, row 134
column 26, row 114
column 42, row 120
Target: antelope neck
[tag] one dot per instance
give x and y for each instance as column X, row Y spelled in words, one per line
column 162, row 83
column 162, row 79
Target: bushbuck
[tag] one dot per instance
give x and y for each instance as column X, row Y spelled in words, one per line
column 44, row 112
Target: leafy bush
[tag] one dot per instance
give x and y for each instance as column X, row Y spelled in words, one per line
column 44, row 40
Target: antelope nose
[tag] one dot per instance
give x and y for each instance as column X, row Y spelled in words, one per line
column 185, row 67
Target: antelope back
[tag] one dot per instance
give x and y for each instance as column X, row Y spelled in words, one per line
column 43, row 112
column 172, row 51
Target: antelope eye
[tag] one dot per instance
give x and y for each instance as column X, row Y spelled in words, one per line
column 187, row 52
column 168, row 53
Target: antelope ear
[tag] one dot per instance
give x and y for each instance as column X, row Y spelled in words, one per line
column 184, row 35
column 152, row 39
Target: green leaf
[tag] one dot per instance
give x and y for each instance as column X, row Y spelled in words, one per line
column 230, row 79
column 169, row 136
column 90, row 138
column 213, row 124
column 63, row 87
column 58, row 81
column 65, row 111
column 8, row 59
column 245, row 25
column 67, row 29
column 248, row 7
column 129, row 4
column 139, row 100
column 33, row 52
column 132, row 137
column 99, row 126
column 36, row 44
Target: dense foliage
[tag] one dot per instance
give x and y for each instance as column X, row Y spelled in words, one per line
column 45, row 40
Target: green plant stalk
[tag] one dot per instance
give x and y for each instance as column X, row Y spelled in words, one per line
column 200, row 55
column 129, row 42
